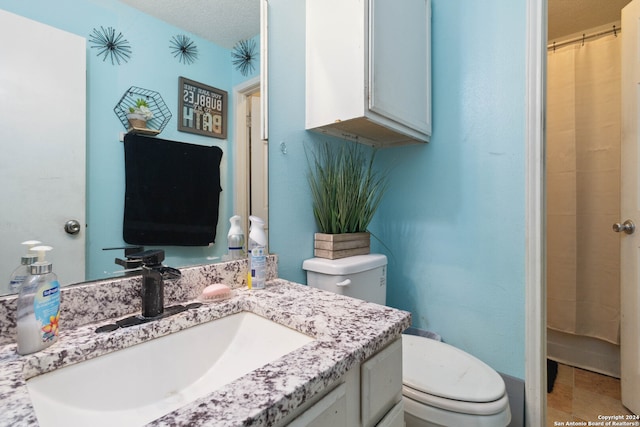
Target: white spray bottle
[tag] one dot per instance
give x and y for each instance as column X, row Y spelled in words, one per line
column 38, row 306
column 235, row 239
column 257, row 253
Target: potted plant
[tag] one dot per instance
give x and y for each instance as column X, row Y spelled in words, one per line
column 346, row 190
column 139, row 114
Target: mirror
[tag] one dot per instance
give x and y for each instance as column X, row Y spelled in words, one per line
column 153, row 65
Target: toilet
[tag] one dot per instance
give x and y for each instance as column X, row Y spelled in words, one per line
column 442, row 385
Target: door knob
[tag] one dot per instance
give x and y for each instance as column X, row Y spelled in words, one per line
column 72, row 226
column 628, row 227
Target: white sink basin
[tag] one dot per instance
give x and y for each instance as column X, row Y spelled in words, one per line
column 136, row 385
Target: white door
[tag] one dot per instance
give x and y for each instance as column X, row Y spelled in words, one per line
column 259, row 167
column 630, row 210
column 42, row 135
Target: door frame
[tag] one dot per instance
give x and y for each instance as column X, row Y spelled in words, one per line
column 535, row 268
column 242, row 164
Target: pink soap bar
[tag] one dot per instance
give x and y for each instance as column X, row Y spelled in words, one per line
column 216, row 290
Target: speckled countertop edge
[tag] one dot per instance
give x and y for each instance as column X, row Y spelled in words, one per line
column 347, row 331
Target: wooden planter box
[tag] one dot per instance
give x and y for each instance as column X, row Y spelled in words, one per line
column 335, row 246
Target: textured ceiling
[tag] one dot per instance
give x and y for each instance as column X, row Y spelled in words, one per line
column 573, row 16
column 223, row 22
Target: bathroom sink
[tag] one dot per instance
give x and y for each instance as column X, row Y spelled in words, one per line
column 136, row 385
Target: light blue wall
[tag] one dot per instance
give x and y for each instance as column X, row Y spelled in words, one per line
column 454, row 214
column 152, row 66
column 453, row 217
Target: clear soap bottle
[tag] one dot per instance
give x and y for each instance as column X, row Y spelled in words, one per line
column 21, row 272
column 38, row 306
column 257, row 253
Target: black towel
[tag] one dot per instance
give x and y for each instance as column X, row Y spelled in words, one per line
column 172, row 192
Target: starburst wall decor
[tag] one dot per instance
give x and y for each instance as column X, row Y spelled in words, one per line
column 243, row 54
column 184, row 49
column 110, row 45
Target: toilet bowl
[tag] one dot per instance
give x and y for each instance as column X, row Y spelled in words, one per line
column 442, row 385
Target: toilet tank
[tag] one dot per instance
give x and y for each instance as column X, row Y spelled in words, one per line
column 360, row 276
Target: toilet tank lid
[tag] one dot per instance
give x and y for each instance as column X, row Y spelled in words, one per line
column 342, row 266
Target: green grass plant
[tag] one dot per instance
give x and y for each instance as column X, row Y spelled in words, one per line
column 346, row 188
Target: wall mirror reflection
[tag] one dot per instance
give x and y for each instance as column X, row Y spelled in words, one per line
column 63, row 164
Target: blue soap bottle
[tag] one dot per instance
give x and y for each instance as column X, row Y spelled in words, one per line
column 38, row 306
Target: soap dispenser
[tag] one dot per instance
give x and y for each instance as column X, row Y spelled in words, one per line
column 235, row 239
column 38, row 306
column 19, row 275
column 257, row 253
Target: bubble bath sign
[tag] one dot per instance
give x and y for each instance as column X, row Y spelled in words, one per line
column 202, row 109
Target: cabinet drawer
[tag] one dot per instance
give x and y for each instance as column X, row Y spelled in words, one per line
column 381, row 383
column 330, row 411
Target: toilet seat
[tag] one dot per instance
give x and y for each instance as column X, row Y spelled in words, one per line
column 443, row 376
column 470, row 408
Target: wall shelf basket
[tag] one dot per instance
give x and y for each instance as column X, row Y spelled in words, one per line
column 161, row 113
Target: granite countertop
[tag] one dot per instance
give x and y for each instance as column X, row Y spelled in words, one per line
column 346, row 331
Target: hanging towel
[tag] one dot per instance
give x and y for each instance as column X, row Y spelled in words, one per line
column 172, row 192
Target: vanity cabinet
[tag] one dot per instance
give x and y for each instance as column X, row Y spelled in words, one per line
column 368, row 70
column 368, row 395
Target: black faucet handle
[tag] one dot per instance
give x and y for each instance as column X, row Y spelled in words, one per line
column 127, row 249
column 150, row 257
column 128, row 263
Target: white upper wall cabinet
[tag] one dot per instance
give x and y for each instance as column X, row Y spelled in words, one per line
column 368, row 70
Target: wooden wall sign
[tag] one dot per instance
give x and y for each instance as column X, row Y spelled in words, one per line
column 202, row 109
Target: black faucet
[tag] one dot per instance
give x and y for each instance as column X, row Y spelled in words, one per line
column 130, row 265
column 153, row 276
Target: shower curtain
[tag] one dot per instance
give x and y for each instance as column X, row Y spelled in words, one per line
column 583, row 201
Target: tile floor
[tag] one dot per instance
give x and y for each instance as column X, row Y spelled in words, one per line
column 580, row 395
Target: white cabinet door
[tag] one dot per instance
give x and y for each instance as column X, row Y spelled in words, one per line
column 399, row 65
column 42, row 134
column 381, row 383
column 334, row 62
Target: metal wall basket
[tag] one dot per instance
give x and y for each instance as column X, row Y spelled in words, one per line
column 161, row 113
